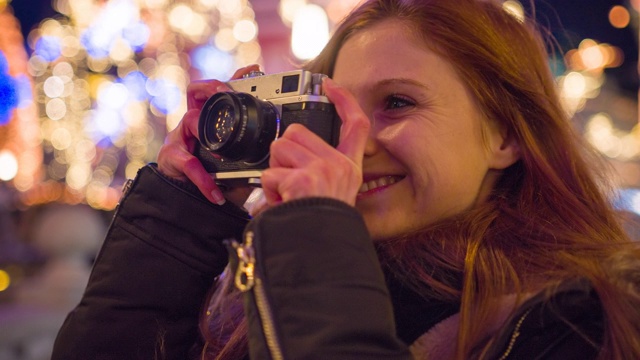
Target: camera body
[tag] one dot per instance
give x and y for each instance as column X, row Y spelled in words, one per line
column 236, row 128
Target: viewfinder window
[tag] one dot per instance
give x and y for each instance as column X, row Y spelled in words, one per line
column 290, row 83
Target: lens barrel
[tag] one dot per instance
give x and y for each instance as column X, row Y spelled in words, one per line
column 238, row 126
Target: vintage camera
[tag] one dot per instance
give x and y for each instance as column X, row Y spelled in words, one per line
column 237, row 128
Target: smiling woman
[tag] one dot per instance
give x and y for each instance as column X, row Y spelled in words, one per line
column 459, row 217
column 420, row 110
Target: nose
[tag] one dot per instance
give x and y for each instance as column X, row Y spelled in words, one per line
column 373, row 144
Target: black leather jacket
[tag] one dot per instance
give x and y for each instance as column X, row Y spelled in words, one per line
column 315, row 289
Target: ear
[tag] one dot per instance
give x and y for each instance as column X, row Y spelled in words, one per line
column 503, row 150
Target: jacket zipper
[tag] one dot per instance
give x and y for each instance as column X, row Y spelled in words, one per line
column 246, row 280
column 514, row 336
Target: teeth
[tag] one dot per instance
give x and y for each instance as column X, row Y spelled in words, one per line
column 377, row 183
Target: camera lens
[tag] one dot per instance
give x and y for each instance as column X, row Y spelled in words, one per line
column 238, row 126
column 223, row 121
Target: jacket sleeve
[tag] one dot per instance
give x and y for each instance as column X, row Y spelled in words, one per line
column 318, row 290
column 161, row 253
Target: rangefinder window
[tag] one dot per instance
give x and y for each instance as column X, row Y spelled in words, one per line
column 290, row 83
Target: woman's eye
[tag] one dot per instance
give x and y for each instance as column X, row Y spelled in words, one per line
column 394, row 102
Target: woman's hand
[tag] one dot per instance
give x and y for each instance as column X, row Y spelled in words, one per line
column 304, row 165
column 176, row 158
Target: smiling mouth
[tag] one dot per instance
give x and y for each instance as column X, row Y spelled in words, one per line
column 379, row 183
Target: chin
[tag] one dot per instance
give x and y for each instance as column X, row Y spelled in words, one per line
column 381, row 230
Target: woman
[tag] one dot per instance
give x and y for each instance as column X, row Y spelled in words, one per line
column 458, row 217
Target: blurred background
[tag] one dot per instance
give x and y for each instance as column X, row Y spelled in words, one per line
column 90, row 88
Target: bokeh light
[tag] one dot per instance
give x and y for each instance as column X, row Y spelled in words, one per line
column 5, row 280
column 114, row 74
column 309, row 31
column 619, row 17
column 8, row 91
column 110, row 82
column 514, row 8
column 8, row 165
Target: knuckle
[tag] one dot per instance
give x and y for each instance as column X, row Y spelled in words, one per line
column 294, row 131
column 360, row 121
column 277, row 146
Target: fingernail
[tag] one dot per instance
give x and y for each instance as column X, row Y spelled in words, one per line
column 327, row 81
column 218, row 198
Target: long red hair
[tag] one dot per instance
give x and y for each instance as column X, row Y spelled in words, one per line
column 548, row 219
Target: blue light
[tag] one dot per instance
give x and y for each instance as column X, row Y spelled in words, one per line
column 628, row 199
column 4, row 64
column 165, row 96
column 116, row 22
column 105, row 123
column 24, row 89
column 96, row 43
column 135, row 82
column 48, row 47
column 8, row 92
column 212, row 62
column 137, row 35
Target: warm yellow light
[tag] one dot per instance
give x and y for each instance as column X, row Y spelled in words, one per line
column 56, row 109
column 53, row 87
column 8, row 165
column 225, row 40
column 61, row 138
column 309, row 32
column 180, row 16
column 514, row 8
column 245, row 30
column 574, row 85
column 593, row 58
column 155, row 4
column 120, row 51
column 78, row 175
column 289, row 8
column 209, row 3
column 5, row 280
column 230, row 8
column 619, row 17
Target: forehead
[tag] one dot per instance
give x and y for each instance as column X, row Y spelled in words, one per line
column 389, row 49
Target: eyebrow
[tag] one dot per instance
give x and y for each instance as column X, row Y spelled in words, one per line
column 402, row 81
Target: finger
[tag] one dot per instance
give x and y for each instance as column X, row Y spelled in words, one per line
column 355, row 124
column 270, row 183
column 175, row 162
column 168, row 162
column 244, row 71
column 189, row 128
column 306, row 138
column 195, row 172
column 199, row 91
column 293, row 152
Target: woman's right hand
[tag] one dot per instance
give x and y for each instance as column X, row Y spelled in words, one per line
column 176, row 158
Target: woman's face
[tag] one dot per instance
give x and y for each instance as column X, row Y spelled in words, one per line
column 430, row 153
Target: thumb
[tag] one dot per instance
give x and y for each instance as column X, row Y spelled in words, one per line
column 355, row 124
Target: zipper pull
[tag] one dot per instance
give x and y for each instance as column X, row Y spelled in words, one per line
column 244, row 278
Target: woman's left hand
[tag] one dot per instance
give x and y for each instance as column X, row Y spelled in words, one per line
column 304, row 165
